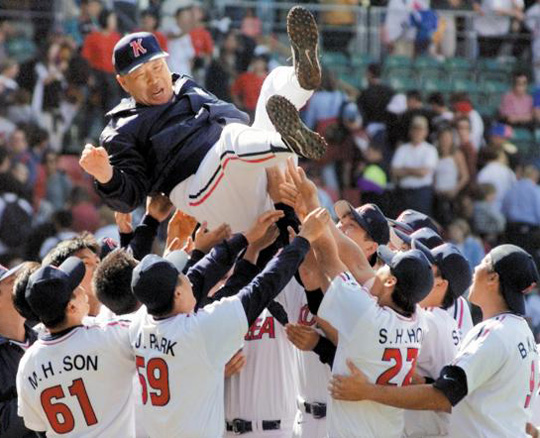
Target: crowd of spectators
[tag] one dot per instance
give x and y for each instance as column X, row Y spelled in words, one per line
column 433, row 153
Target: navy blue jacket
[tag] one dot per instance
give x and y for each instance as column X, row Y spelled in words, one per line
column 11, row 425
column 154, row 148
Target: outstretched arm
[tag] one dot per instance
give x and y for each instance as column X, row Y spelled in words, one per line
column 349, row 252
column 119, row 171
column 357, row 387
column 267, row 285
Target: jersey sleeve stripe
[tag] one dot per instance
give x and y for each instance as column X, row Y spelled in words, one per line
column 461, row 306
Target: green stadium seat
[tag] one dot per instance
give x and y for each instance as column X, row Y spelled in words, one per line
column 432, row 85
column 486, row 110
column 464, row 85
column 397, row 61
column 523, row 139
column 466, row 75
column 427, row 62
column 458, row 64
column 402, row 84
column 361, row 60
column 494, row 88
column 335, row 59
column 357, row 80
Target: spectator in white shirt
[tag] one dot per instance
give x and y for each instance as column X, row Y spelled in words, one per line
column 413, row 167
column 181, row 51
column 498, row 173
column 492, row 23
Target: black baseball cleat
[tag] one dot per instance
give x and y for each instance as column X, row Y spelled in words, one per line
column 297, row 136
column 304, row 39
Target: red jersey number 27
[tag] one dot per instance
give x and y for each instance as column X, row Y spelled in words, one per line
column 395, row 355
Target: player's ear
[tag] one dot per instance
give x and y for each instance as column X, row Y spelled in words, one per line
column 390, row 281
column 122, row 81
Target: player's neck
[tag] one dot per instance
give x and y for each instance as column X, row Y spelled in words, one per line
column 491, row 309
column 71, row 321
column 12, row 326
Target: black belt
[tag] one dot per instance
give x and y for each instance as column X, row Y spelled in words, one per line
column 239, row 426
column 317, row 410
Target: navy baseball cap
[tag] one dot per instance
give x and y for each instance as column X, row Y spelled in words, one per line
column 369, row 217
column 518, row 274
column 412, row 270
column 50, row 288
column 155, row 278
column 452, row 264
column 410, row 221
column 425, row 235
column 6, row 273
column 135, row 49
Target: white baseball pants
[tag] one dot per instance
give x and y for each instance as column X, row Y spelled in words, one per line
column 230, row 183
column 305, row 426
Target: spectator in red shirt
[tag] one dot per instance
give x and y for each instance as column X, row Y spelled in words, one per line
column 98, row 49
column 517, row 105
column 247, row 86
column 149, row 23
column 200, row 37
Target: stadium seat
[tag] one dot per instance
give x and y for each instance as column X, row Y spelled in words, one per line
column 402, row 84
column 361, row 60
column 432, row 85
column 335, row 59
column 458, row 64
column 396, row 61
column 464, row 85
column 523, row 139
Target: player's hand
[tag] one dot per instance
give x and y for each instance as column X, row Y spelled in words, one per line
column 235, row 365
column 174, row 245
column 306, row 187
column 291, row 196
column 123, row 222
column 253, row 249
column 205, row 240
column 261, row 225
column 275, row 178
column 159, row 207
column 189, row 246
column 180, row 226
column 95, row 161
column 532, row 430
column 355, row 387
column 303, row 337
column 315, row 224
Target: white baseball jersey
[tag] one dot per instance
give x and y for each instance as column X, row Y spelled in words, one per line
column 500, row 359
column 439, row 348
column 80, row 383
column 382, row 343
column 461, row 312
column 266, row 389
column 313, row 383
column 180, row 362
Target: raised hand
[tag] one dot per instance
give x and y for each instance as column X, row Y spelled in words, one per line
column 306, row 187
column 205, row 240
column 303, row 337
column 95, row 161
column 315, row 224
column 123, row 222
column 261, row 225
column 172, row 245
column 275, row 178
column 180, row 226
column 159, row 207
column 353, row 388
